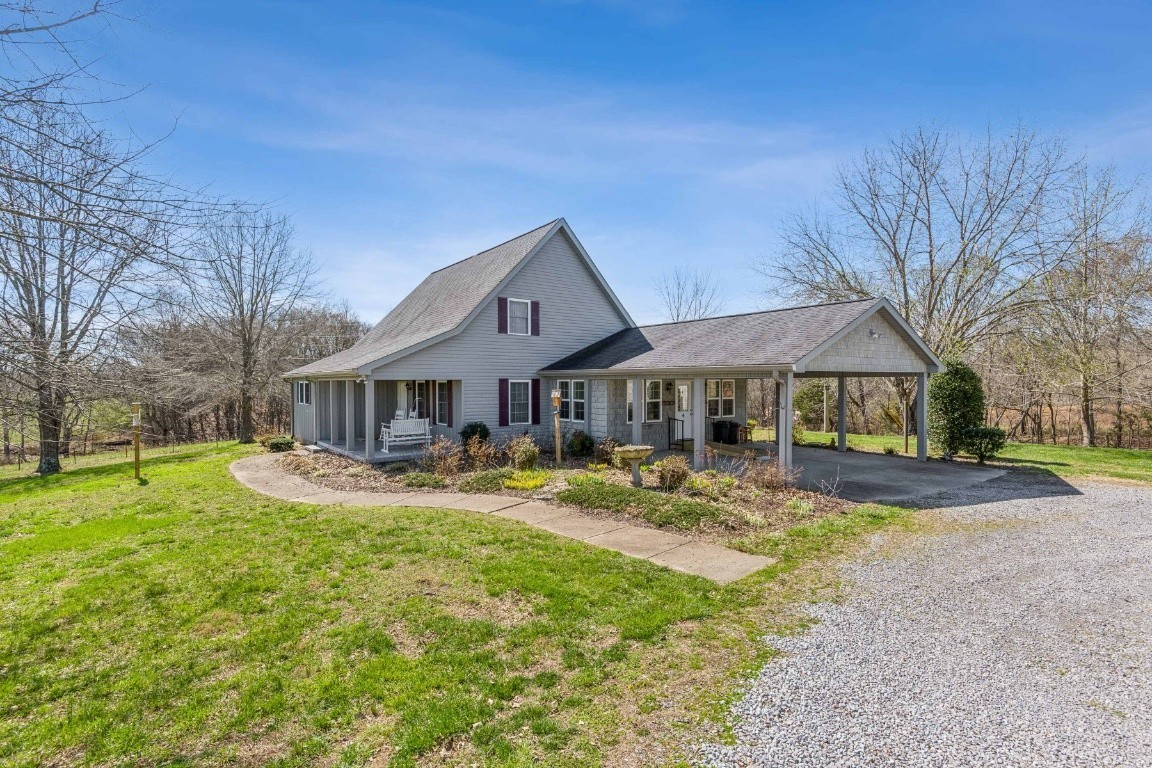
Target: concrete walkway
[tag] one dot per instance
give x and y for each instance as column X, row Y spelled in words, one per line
column 263, row 474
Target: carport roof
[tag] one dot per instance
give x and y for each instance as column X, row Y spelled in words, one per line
column 779, row 338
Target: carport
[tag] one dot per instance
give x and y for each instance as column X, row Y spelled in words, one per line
column 867, row 337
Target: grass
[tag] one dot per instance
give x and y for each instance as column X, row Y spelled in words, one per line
column 654, row 507
column 185, row 620
column 1062, row 460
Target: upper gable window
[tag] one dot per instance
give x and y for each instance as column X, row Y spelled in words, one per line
column 519, row 317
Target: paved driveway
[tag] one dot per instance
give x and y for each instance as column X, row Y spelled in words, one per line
column 1023, row 638
column 876, row 477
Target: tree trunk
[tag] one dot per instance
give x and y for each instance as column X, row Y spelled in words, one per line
column 1087, row 417
column 247, row 426
column 50, row 415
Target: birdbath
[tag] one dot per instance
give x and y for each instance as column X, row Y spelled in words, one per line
column 634, row 454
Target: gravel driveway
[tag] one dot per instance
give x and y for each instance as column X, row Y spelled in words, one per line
column 1023, row 642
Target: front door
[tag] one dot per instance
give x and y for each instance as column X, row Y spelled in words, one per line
column 684, row 406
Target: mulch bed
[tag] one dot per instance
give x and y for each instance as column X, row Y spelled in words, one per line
column 748, row 510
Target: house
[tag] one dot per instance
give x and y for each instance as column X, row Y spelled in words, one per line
column 490, row 337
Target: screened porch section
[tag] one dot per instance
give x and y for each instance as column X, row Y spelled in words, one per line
column 349, row 421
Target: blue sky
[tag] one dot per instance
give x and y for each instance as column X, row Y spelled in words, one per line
column 404, row 136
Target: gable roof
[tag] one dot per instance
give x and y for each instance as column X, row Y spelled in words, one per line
column 445, row 302
column 779, row 338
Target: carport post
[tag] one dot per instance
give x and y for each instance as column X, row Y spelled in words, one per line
column 784, row 430
column 638, row 409
column 841, row 414
column 699, row 439
column 922, row 417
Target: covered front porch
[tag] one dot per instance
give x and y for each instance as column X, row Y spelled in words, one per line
column 349, row 414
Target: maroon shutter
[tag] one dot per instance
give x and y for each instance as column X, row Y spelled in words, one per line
column 501, row 315
column 503, row 402
column 535, row 318
column 535, row 404
column 451, row 406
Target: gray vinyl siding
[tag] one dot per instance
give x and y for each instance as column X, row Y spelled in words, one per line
column 574, row 312
column 302, row 418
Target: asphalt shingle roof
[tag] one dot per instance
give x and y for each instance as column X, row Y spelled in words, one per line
column 778, row 337
column 439, row 304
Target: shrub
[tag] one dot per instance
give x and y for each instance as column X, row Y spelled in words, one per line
column 523, row 452
column 474, row 429
column 488, row 481
column 889, row 450
column 606, row 451
column 655, row 507
column 984, row 442
column 442, row 457
column 280, row 444
column 581, row 444
column 527, row 479
column 766, row 476
column 578, row 480
column 955, row 404
column 672, row 472
column 483, row 454
column 422, row 480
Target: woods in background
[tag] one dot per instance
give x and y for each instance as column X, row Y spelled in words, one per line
column 1007, row 252
column 118, row 285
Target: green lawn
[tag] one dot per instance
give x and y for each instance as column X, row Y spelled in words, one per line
column 186, row 620
column 1063, row 460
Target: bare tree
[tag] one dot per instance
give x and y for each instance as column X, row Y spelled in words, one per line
column 1098, row 301
column 688, row 295
column 954, row 232
column 249, row 281
column 82, row 249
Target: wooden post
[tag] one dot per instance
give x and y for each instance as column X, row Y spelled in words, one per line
column 136, row 436
column 556, row 421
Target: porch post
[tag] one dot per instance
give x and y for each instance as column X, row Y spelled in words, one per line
column 922, row 417
column 315, row 392
column 369, row 418
column 699, row 439
column 349, row 413
column 784, row 432
column 841, row 414
column 776, row 411
column 332, row 433
column 638, row 411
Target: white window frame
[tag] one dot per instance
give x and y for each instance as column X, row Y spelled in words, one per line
column 528, row 314
column 304, row 393
column 729, row 414
column 570, row 400
column 447, row 401
column 528, row 384
column 719, row 399
column 659, row 400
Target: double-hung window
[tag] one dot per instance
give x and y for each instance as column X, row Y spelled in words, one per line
column 721, row 397
column 519, row 317
column 652, row 400
column 519, row 402
column 572, row 400
column 304, row 392
column 442, row 402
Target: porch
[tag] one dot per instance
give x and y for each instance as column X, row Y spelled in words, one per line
column 349, row 413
